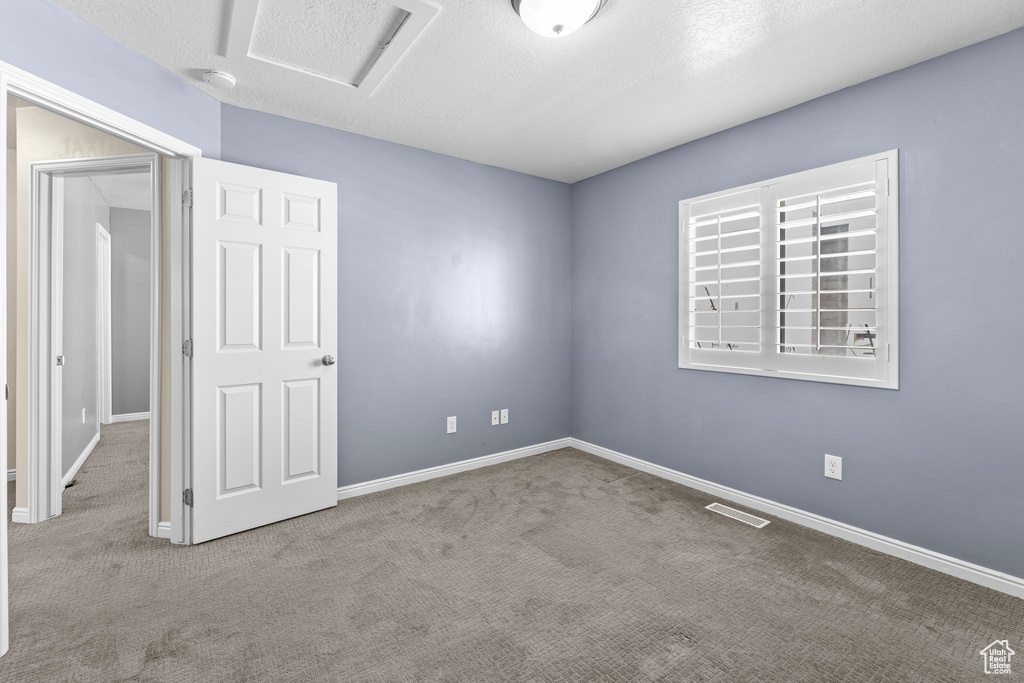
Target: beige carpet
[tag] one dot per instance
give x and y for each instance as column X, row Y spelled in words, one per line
column 559, row 567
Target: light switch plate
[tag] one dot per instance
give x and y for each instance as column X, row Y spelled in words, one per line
column 504, row 416
column 495, row 417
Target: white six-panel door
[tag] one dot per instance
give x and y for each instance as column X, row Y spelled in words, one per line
column 264, row 255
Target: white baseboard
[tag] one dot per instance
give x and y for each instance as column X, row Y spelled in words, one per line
column 375, row 485
column 81, row 460
column 129, row 417
column 974, row 573
column 12, row 475
column 946, row 564
column 163, row 530
column 20, row 515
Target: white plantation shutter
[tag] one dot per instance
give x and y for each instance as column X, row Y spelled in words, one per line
column 794, row 277
column 825, row 232
column 723, row 246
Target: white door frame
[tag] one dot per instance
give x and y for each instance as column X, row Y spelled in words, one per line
column 180, row 299
column 46, row 265
column 15, row 81
column 104, row 387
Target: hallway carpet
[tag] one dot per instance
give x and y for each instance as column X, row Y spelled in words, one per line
column 558, row 567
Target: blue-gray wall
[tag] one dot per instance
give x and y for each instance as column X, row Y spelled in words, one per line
column 129, row 310
column 453, row 295
column 52, row 43
column 940, row 463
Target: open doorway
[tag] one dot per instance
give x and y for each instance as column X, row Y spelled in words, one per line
column 125, row 271
column 99, row 131
column 83, row 305
column 101, row 227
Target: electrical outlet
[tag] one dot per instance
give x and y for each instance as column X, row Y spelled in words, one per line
column 833, row 466
column 495, row 418
column 504, row 416
column 451, row 424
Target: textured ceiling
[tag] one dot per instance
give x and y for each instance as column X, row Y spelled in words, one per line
column 643, row 76
column 124, row 190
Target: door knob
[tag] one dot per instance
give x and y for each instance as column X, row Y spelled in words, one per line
column 327, row 360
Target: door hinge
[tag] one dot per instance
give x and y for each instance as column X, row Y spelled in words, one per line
column 186, row 198
column 186, row 348
column 187, row 497
column 60, row 361
column 888, row 353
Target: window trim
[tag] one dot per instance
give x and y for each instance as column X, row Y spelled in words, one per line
column 887, row 247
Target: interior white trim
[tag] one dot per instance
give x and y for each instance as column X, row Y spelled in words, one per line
column 18, row 512
column 34, row 89
column 45, row 321
column 104, row 387
column 983, row 576
column 385, row 483
column 129, row 417
column 44, row 446
column 5, row 638
column 163, row 530
column 19, row 515
column 180, row 178
column 156, row 312
column 81, row 460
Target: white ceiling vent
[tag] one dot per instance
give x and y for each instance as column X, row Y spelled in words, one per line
column 737, row 515
column 352, row 45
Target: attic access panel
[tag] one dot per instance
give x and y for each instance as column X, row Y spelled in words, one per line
column 354, row 45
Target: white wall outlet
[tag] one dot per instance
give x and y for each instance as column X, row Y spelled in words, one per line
column 833, row 466
column 451, row 424
column 504, row 416
column 495, row 417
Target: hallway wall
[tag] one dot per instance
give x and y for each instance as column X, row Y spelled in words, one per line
column 41, row 135
column 83, row 209
column 130, row 305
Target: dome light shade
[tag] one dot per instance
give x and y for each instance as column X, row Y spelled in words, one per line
column 556, row 18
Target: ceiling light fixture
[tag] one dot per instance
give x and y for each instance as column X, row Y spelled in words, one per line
column 219, row 79
column 556, row 18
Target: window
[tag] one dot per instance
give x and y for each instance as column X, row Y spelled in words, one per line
column 795, row 277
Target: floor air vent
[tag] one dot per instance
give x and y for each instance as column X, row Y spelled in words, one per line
column 736, row 514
